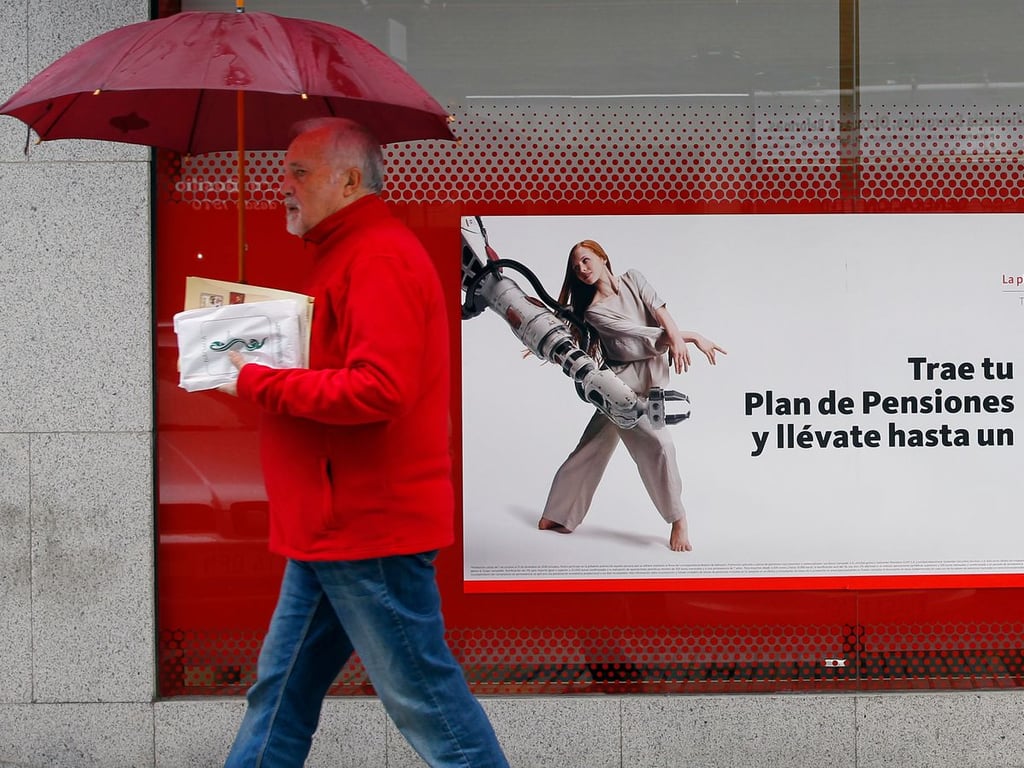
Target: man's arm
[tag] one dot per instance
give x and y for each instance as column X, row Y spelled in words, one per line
column 384, row 312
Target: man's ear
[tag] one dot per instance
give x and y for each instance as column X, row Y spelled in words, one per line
column 352, row 181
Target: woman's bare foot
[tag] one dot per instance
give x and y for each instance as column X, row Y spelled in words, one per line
column 679, row 540
column 551, row 525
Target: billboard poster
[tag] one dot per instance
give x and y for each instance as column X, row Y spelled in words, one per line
column 863, row 427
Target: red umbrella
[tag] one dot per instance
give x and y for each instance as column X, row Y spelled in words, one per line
column 172, row 82
column 178, row 83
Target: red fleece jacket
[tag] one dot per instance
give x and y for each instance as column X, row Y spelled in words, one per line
column 356, row 449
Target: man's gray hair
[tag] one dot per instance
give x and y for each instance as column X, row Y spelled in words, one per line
column 352, row 146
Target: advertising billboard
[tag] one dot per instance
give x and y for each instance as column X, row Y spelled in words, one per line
column 863, row 428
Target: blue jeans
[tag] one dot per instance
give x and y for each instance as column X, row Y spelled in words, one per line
column 389, row 611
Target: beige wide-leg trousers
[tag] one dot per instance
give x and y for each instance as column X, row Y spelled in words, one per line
column 576, row 481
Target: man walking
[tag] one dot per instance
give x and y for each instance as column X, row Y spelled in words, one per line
column 357, row 468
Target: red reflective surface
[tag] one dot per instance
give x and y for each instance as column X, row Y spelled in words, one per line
column 217, row 585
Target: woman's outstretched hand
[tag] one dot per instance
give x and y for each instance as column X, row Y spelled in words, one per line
column 678, row 354
column 708, row 347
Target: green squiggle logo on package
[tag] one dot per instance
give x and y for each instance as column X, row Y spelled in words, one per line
column 250, row 346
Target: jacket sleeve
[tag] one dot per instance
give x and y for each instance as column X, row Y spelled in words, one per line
column 382, row 312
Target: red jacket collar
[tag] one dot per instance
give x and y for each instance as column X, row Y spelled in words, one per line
column 366, row 209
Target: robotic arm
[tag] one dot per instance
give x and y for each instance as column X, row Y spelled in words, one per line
column 541, row 326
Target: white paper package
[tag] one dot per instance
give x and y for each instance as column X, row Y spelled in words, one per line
column 265, row 332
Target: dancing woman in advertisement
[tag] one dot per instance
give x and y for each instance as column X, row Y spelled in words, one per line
column 634, row 330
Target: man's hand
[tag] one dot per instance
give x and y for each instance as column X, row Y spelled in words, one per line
column 231, row 388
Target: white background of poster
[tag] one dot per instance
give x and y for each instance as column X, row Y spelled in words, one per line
column 804, row 304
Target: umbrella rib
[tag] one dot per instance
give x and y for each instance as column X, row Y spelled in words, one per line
column 57, row 118
column 195, row 120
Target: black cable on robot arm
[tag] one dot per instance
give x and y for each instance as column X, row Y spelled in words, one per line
column 560, row 310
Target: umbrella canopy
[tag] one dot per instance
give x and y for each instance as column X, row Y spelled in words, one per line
column 173, row 83
column 208, row 82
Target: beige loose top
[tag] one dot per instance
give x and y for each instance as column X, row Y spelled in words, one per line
column 634, row 343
